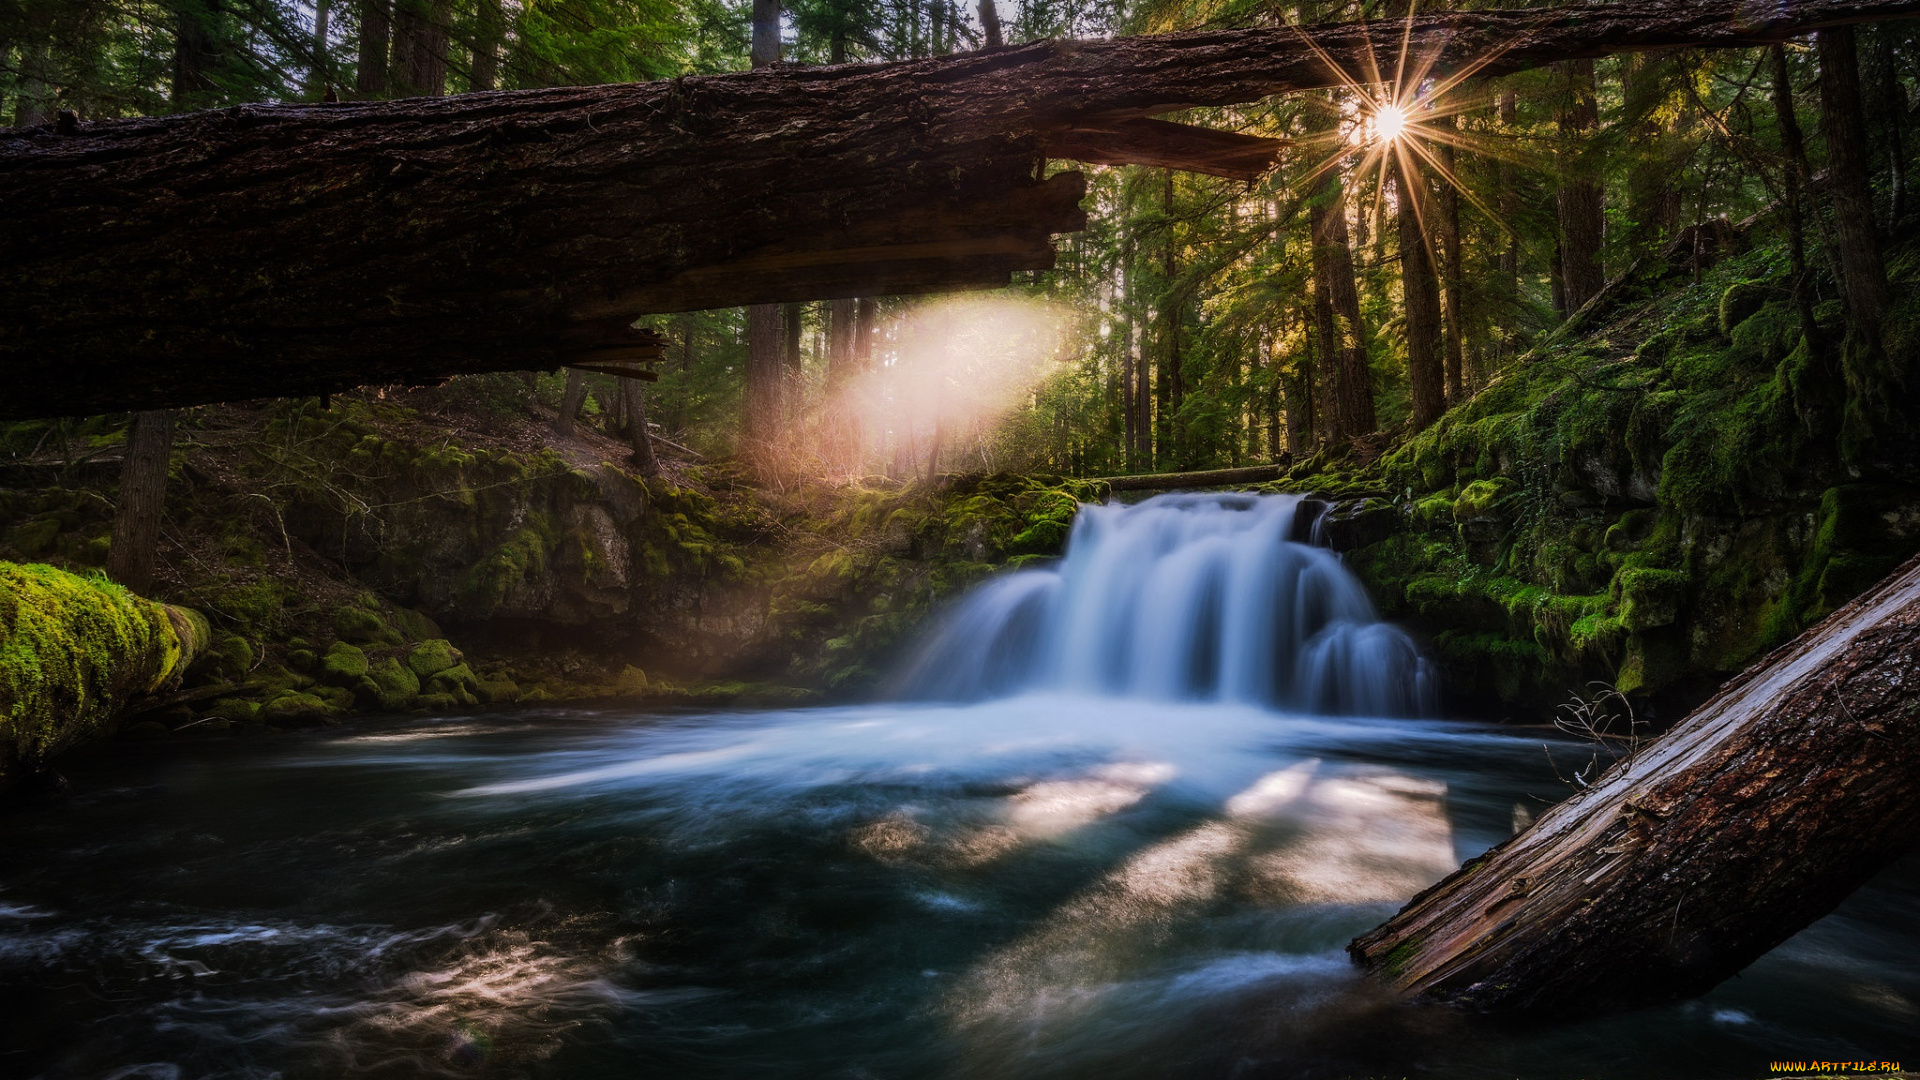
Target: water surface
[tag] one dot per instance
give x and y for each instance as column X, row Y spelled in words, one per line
column 1039, row 887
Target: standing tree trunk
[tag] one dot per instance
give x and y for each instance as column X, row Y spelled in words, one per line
column 1509, row 206
column 1172, row 385
column 1893, row 110
column 33, row 98
column 194, row 56
column 1343, row 339
column 135, row 544
column 1582, row 204
column 318, row 79
column 1298, row 380
column 1797, row 176
column 1842, row 121
column 637, row 435
column 990, row 24
column 1683, row 864
column 792, row 370
column 764, row 393
column 420, row 48
column 489, row 26
column 1420, row 294
column 376, row 26
column 1450, row 266
column 1653, row 198
column 571, row 399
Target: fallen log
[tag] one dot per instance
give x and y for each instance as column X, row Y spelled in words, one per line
column 303, row 249
column 76, row 655
column 1753, row 817
column 1252, row 474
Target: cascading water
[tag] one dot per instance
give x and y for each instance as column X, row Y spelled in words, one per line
column 1181, row 597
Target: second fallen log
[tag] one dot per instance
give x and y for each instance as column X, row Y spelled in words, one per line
column 1749, row 820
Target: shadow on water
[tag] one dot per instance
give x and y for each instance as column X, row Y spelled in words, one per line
column 1047, row 886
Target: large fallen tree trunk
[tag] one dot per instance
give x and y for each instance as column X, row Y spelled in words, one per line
column 289, row 249
column 1752, row 818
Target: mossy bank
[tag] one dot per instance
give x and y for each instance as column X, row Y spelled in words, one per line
column 1654, row 503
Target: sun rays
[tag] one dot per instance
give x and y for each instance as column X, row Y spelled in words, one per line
column 1386, row 126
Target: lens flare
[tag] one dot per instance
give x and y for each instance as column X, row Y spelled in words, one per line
column 1389, row 121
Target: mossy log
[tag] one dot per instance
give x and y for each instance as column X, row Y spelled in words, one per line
column 1252, row 474
column 75, row 654
column 302, row 249
column 1753, row 817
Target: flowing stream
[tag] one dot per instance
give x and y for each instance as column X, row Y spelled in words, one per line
column 1146, row 869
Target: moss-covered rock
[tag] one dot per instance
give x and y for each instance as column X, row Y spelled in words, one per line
column 394, row 685
column 429, row 658
column 343, row 664
column 415, row 626
column 74, row 653
column 457, row 682
column 498, row 691
column 295, row 709
column 358, row 625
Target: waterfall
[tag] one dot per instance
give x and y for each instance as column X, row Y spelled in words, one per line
column 1181, row 597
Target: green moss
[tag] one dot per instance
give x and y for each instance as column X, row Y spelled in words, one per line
column 457, row 682
column 343, row 664
column 358, row 625
column 74, row 652
column 1480, row 498
column 1650, row 597
column 429, row 658
column 295, row 709
column 415, row 626
column 395, row 684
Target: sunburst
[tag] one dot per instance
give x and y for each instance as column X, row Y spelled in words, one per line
column 1396, row 121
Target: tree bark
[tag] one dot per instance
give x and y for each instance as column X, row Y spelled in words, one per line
column 1753, row 817
column 1848, row 166
column 1793, row 145
column 764, row 49
column 1298, row 380
column 638, row 437
column 33, row 98
column 376, row 27
column 990, row 24
column 302, row 249
column 764, row 393
column 133, row 550
column 571, row 399
column 489, row 24
column 1582, row 203
column 1420, row 296
column 318, row 77
column 1172, row 390
column 194, row 55
column 1509, row 206
column 419, row 48
column 1343, row 336
column 1452, row 269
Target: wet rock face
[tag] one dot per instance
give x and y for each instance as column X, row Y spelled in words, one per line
column 1356, row 523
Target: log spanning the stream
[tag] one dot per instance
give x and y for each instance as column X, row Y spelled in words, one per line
column 301, row 249
column 1753, row 817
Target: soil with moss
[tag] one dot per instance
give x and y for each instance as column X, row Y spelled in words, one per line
column 443, row 549
column 1655, row 502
